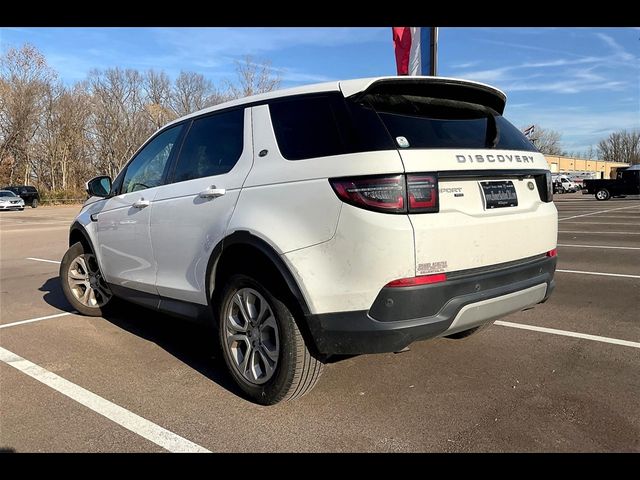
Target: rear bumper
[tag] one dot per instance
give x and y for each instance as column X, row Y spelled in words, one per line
column 400, row 316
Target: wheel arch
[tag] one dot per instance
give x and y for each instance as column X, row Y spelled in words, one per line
column 77, row 233
column 243, row 242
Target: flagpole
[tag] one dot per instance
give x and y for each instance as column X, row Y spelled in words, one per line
column 433, row 51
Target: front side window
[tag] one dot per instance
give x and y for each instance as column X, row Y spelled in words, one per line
column 213, row 146
column 147, row 169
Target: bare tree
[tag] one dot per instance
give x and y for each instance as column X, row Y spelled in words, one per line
column 192, row 92
column 62, row 147
column 24, row 77
column 157, row 87
column 120, row 123
column 252, row 78
column 59, row 136
column 590, row 153
column 546, row 140
column 622, row 146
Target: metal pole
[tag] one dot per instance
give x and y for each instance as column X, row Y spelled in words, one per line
column 433, row 51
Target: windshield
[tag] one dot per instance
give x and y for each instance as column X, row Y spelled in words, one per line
column 6, row 193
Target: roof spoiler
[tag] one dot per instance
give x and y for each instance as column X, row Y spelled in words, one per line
column 438, row 87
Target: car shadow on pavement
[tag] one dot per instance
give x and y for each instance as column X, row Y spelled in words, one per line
column 54, row 296
column 191, row 343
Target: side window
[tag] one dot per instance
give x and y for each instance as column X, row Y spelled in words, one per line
column 212, row 147
column 147, row 169
column 307, row 127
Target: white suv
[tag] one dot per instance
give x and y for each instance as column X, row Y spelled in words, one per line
column 343, row 218
column 565, row 184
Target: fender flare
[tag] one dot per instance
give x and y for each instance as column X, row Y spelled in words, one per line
column 77, row 227
column 242, row 237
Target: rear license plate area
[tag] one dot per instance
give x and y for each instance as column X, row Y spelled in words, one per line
column 499, row 194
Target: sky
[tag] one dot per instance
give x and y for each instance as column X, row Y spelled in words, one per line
column 581, row 82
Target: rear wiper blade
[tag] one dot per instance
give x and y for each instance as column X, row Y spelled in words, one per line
column 493, row 131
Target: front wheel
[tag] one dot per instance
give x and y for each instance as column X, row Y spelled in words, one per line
column 603, row 194
column 262, row 345
column 34, row 203
column 82, row 281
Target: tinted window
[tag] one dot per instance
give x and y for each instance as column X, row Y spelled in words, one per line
column 326, row 125
column 147, row 169
column 306, row 128
column 426, row 122
column 212, row 146
column 7, row 194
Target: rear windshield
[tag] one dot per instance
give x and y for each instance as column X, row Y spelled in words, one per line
column 426, row 122
column 324, row 125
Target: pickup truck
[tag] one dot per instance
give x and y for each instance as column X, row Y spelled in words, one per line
column 627, row 182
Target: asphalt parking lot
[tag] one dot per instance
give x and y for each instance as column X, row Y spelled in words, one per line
column 562, row 377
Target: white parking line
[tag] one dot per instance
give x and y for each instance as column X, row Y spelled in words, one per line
column 598, row 246
column 43, row 260
column 602, row 223
column 14, row 324
column 624, row 275
column 129, row 420
column 567, row 333
column 601, row 211
column 589, row 232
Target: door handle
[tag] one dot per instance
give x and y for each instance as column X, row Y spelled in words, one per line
column 141, row 203
column 212, row 192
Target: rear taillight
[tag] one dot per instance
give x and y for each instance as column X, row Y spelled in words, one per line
column 552, row 253
column 382, row 194
column 545, row 187
column 423, row 193
column 389, row 193
column 421, row 280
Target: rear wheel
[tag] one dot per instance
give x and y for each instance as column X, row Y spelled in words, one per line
column 34, row 203
column 82, row 281
column 603, row 194
column 262, row 344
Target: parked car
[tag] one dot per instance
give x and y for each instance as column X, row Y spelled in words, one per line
column 10, row 201
column 342, row 218
column 565, row 184
column 627, row 182
column 28, row 193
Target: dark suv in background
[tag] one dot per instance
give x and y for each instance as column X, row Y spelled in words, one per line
column 29, row 194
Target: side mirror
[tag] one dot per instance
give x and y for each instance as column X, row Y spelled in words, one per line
column 99, row 186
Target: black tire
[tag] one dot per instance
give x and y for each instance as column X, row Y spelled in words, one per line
column 603, row 194
column 34, row 203
column 76, row 250
column 468, row 333
column 296, row 372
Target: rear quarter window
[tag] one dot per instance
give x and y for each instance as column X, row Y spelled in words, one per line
column 325, row 125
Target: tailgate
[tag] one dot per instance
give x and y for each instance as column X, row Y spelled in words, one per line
column 490, row 212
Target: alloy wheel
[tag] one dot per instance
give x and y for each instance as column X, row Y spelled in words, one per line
column 251, row 336
column 86, row 282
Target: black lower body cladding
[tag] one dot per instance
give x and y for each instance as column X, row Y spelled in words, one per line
column 400, row 316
